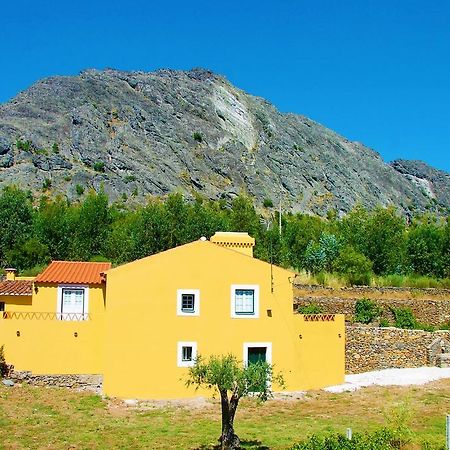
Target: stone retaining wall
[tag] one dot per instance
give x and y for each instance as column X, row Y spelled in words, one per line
column 371, row 348
column 430, row 306
column 81, row 382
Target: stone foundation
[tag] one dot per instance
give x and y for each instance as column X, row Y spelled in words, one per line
column 80, row 382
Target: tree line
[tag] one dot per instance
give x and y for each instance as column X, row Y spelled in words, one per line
column 361, row 243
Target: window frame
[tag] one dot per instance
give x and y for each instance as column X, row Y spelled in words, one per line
column 196, row 310
column 234, row 288
column 59, row 303
column 180, row 361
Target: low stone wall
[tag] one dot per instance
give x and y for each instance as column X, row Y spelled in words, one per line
column 80, row 382
column 371, row 348
column 430, row 306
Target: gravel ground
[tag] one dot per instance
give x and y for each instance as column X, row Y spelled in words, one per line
column 391, row 377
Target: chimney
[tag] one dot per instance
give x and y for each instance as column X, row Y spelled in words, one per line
column 240, row 242
column 10, row 274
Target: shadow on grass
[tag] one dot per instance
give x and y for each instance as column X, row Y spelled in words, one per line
column 245, row 444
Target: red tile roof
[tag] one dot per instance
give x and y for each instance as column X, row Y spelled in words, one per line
column 73, row 272
column 16, row 287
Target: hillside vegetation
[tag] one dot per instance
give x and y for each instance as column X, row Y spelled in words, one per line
column 357, row 246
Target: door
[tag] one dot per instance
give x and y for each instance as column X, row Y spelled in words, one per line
column 254, row 356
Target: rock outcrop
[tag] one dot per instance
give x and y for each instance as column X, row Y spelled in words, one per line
column 137, row 133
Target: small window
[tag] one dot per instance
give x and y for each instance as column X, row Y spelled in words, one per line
column 188, row 302
column 186, row 354
column 245, row 301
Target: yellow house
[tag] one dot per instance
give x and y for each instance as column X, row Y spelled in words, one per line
column 142, row 324
column 211, row 297
column 54, row 324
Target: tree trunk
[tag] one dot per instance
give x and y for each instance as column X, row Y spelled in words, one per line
column 228, row 440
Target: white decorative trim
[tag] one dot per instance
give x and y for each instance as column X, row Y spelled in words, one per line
column 267, row 345
column 196, row 293
column 255, row 314
column 59, row 300
column 180, row 345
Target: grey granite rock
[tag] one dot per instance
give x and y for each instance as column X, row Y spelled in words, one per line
column 168, row 130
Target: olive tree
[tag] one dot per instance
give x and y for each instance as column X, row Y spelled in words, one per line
column 232, row 380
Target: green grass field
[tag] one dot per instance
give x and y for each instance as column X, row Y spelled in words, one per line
column 53, row 418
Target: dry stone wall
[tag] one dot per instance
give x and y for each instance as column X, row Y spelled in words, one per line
column 80, row 382
column 430, row 306
column 372, row 348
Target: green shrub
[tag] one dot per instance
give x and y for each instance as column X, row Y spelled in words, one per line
column 55, row 148
column 268, row 203
column 398, row 419
column 197, row 137
column 129, row 178
column 404, row 318
column 382, row 439
column 366, row 311
column 425, row 326
column 313, row 308
column 384, row 323
column 356, row 267
column 41, row 151
column 79, row 189
column 46, row 184
column 99, row 166
column 4, row 368
column 26, row 146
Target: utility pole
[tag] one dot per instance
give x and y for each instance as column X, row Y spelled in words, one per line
column 279, row 217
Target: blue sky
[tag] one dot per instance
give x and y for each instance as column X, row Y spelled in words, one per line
column 375, row 71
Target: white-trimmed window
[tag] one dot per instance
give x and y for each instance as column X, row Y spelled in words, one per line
column 188, row 302
column 73, row 302
column 245, row 301
column 186, row 354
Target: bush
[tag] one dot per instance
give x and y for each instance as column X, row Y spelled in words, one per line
column 356, row 267
column 382, row 439
column 4, row 368
column 197, row 137
column 404, row 318
column 55, row 148
column 46, row 184
column 99, row 166
column 268, row 203
column 129, row 178
column 79, row 189
column 366, row 311
column 384, row 323
column 26, row 146
column 313, row 308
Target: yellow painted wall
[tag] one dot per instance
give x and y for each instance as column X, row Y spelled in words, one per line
column 49, row 346
column 143, row 328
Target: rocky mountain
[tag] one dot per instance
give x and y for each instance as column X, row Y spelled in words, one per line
column 137, row 133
